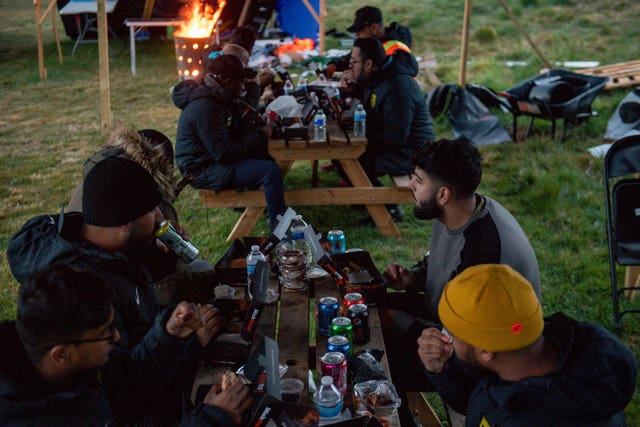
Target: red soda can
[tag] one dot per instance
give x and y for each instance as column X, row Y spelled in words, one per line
column 350, row 299
column 334, row 365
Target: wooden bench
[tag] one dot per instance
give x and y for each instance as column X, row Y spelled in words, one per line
column 347, row 153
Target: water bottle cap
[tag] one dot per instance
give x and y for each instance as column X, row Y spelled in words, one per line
column 297, row 216
column 255, row 248
column 326, row 380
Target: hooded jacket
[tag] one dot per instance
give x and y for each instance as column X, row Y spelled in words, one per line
column 398, row 120
column 592, row 385
column 26, row 399
column 49, row 240
column 405, row 61
column 210, row 134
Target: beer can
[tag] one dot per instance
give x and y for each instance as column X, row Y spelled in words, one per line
column 327, row 311
column 342, row 326
column 338, row 241
column 351, row 299
column 339, row 343
column 173, row 240
column 334, row 365
column 359, row 315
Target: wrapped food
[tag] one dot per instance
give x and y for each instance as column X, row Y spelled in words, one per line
column 365, row 366
column 378, row 398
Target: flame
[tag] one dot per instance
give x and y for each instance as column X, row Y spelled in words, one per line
column 199, row 19
column 296, row 46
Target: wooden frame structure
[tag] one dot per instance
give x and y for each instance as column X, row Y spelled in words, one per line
column 40, row 18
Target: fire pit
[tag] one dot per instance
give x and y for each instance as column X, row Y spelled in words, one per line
column 195, row 36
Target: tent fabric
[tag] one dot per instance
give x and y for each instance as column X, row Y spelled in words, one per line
column 626, row 117
column 294, row 18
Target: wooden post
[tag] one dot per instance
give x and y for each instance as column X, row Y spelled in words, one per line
column 464, row 43
column 518, row 25
column 148, row 8
column 244, row 13
column 103, row 54
column 41, row 69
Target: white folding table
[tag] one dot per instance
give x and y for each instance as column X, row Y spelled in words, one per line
column 137, row 24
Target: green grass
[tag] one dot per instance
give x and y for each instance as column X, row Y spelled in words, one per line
column 48, row 128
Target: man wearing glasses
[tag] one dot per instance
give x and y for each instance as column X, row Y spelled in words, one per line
column 398, row 120
column 59, row 366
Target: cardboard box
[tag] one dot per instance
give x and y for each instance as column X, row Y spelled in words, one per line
column 363, row 276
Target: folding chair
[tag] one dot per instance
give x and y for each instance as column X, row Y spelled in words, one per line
column 622, row 190
column 87, row 24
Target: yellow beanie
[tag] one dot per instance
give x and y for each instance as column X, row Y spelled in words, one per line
column 491, row 307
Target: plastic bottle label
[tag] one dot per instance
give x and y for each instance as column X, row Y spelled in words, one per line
column 318, row 121
column 297, row 235
column 251, row 269
column 330, row 411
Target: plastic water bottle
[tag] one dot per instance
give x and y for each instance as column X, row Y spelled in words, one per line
column 359, row 121
column 320, row 126
column 302, row 84
column 297, row 236
column 288, row 87
column 327, row 399
column 252, row 259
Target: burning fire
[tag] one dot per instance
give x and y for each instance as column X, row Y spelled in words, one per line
column 199, row 19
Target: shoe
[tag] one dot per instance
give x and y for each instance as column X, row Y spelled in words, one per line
column 343, row 183
column 328, row 167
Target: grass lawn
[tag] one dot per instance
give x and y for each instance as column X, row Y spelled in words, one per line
column 48, row 128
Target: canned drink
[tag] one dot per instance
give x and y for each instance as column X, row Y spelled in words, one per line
column 342, row 326
column 339, row 343
column 351, row 299
column 327, row 311
column 359, row 315
column 173, row 240
column 334, row 365
column 338, row 241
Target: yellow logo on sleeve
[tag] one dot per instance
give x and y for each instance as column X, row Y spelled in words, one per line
column 372, row 100
column 484, row 422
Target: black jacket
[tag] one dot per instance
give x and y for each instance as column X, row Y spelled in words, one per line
column 405, row 61
column 593, row 384
column 49, row 240
column 26, row 399
column 398, row 120
column 210, row 133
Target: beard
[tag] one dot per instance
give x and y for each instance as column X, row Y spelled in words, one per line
column 428, row 209
column 470, row 360
column 139, row 239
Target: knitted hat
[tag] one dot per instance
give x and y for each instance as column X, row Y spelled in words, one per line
column 491, row 307
column 116, row 191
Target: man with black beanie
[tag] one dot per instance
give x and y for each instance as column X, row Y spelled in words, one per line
column 120, row 215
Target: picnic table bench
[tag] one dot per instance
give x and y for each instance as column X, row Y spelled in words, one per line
column 346, row 150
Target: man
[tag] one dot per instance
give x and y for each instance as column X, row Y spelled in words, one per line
column 61, row 344
column 468, row 229
column 174, row 280
column 395, row 39
column 116, row 227
column 211, row 143
column 501, row 363
column 398, row 121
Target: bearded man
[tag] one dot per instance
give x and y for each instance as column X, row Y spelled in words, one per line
column 468, row 229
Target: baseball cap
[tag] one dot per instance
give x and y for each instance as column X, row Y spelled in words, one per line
column 365, row 16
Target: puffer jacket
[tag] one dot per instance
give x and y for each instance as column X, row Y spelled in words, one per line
column 211, row 135
column 592, row 385
column 398, row 121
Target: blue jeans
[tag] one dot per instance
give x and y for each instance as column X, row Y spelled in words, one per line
column 253, row 173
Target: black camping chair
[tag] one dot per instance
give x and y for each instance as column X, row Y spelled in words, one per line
column 623, row 214
column 556, row 94
column 626, row 118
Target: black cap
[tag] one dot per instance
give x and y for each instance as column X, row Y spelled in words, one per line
column 365, row 16
column 225, row 66
column 117, row 191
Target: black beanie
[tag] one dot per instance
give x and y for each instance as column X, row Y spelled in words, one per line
column 117, row 191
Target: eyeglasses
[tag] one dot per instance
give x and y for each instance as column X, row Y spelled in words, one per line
column 352, row 63
column 109, row 338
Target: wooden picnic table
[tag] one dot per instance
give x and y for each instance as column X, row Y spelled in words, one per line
column 297, row 347
column 346, row 150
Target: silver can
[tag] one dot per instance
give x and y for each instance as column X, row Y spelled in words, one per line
column 173, row 240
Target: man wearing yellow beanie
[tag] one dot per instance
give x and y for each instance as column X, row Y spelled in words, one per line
column 501, row 363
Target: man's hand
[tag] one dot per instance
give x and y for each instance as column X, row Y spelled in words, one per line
column 329, row 70
column 347, row 78
column 434, row 349
column 184, row 320
column 400, row 278
column 181, row 231
column 234, row 400
column 265, row 78
column 212, row 323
